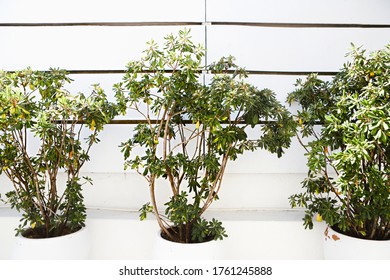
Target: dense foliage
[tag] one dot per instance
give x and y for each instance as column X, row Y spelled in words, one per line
column 192, row 129
column 348, row 182
column 41, row 134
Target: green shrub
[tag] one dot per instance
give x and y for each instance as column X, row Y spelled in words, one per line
column 348, row 182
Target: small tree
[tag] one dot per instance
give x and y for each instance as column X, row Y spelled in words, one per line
column 348, row 182
column 192, row 130
column 35, row 106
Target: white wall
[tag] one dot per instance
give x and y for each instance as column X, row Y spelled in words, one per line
column 280, row 40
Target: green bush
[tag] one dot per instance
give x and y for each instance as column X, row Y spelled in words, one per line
column 191, row 130
column 36, row 108
column 348, row 182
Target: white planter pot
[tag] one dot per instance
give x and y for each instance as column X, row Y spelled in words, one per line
column 168, row 250
column 74, row 246
column 338, row 246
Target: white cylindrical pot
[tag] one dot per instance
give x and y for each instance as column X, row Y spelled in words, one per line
column 168, row 250
column 74, row 246
column 338, row 246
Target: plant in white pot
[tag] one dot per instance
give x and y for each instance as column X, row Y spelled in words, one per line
column 42, row 130
column 190, row 131
column 348, row 183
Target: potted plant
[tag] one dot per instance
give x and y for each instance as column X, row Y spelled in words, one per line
column 42, row 127
column 191, row 130
column 348, row 182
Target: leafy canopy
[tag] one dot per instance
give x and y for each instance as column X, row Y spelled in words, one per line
column 41, row 134
column 348, row 182
column 193, row 128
